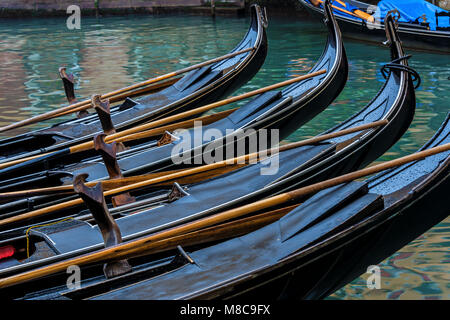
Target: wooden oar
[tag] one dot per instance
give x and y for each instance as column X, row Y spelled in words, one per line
column 121, row 182
column 341, row 2
column 187, row 172
column 110, row 138
column 144, row 134
column 141, row 245
column 205, row 120
column 219, row 232
column 86, row 104
column 356, row 13
column 135, row 93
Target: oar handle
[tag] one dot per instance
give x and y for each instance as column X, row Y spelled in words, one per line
column 360, row 14
column 214, row 105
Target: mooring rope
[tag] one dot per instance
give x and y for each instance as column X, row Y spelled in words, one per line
column 394, row 64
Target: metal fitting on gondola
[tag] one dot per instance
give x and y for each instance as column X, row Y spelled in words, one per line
column 265, row 20
column 394, row 64
column 167, row 138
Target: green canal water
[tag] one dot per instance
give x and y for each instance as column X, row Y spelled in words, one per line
column 109, row 53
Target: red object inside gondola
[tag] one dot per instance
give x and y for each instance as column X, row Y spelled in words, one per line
column 7, row 251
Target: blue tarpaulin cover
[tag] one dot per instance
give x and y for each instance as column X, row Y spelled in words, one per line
column 411, row 10
column 347, row 7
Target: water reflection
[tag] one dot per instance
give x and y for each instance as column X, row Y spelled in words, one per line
column 113, row 52
column 12, row 78
column 419, row 271
column 96, row 61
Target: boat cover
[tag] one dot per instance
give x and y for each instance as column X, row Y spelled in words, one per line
column 412, row 10
column 342, row 5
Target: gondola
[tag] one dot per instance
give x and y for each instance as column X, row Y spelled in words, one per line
column 414, row 35
column 299, row 166
column 313, row 250
column 286, row 110
column 198, row 87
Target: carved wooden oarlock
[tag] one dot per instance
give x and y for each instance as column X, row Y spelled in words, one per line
column 103, row 109
column 95, row 201
column 68, row 82
column 108, row 151
column 167, row 138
